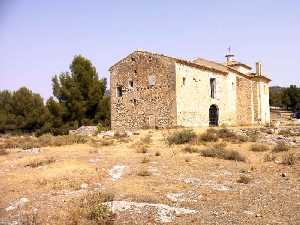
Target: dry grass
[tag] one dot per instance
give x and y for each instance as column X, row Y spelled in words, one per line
column 142, row 149
column 190, row 149
column 280, row 147
column 36, row 162
column 90, row 209
column 209, row 137
column 145, row 160
column 147, row 139
column 289, row 158
column 181, row 137
column 269, row 157
column 45, row 140
column 259, row 148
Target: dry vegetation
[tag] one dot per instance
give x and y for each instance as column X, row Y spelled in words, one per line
column 213, row 171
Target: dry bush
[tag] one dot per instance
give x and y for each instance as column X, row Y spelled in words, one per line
column 220, row 145
column 157, row 153
column 289, row 158
column 259, row 147
column 209, row 137
column 145, row 160
column 234, row 155
column 281, row 147
column 36, row 162
column 221, row 153
column 244, row 179
column 147, row 139
column 90, row 209
column 229, row 135
column 144, row 173
column 181, row 137
column 269, row 157
column 45, row 140
column 190, row 149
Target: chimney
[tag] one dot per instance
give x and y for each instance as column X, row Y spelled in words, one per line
column 258, row 69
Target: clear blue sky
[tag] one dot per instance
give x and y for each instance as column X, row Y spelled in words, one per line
column 38, row 39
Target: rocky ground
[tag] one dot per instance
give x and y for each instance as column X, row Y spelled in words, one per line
column 155, row 183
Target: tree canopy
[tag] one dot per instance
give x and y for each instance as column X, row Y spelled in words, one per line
column 79, row 99
column 288, row 98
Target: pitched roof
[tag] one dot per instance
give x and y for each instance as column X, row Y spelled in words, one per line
column 205, row 65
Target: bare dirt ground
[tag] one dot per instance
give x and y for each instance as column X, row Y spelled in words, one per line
column 164, row 185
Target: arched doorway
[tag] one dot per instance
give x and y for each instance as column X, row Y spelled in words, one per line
column 213, row 115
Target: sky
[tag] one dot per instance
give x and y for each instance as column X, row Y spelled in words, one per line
column 39, row 38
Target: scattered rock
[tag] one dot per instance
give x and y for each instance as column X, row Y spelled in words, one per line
column 33, row 150
column 165, row 213
column 17, row 204
column 176, row 197
column 284, row 174
column 116, row 172
column 84, row 130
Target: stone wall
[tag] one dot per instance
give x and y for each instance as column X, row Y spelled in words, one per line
column 244, row 104
column 143, row 105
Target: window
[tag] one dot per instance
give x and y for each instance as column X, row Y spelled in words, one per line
column 119, row 92
column 151, row 80
column 213, row 87
column 183, row 81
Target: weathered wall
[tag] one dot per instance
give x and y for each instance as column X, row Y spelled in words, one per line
column 244, row 104
column 143, row 106
column 261, row 102
column 193, row 99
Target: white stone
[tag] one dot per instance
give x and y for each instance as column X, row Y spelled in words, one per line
column 116, row 172
column 165, row 213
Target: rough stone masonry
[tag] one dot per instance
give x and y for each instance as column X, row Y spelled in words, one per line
column 150, row 90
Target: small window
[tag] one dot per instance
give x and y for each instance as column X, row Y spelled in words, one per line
column 131, row 84
column 151, row 80
column 183, row 81
column 119, row 92
column 213, row 87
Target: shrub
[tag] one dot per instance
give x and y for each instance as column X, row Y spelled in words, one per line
column 181, row 137
column 144, row 173
column 209, row 137
column 289, row 159
column 223, row 154
column 281, row 147
column 234, row 155
column 259, row 148
column 244, row 179
column 190, row 149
